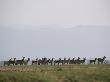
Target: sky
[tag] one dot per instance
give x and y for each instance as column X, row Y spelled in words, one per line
column 54, row 12
column 53, row 28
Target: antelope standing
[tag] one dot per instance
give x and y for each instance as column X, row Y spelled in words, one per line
column 26, row 61
column 51, row 61
column 93, row 61
column 57, row 61
column 101, row 60
column 72, row 61
column 21, row 62
column 83, row 61
column 12, row 61
column 77, row 61
column 35, row 61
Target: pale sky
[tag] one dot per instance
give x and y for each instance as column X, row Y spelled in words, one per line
column 54, row 28
column 54, row 12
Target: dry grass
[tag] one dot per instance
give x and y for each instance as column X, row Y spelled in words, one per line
column 65, row 73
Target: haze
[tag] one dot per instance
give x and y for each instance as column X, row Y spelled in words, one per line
column 53, row 28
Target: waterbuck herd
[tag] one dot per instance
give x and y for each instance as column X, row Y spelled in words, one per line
column 52, row 61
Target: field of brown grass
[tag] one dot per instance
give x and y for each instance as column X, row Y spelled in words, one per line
column 62, row 73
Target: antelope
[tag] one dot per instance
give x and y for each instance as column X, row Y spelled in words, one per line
column 57, row 61
column 35, row 61
column 77, row 61
column 12, row 61
column 47, row 61
column 66, row 61
column 21, row 62
column 101, row 60
column 39, row 61
column 93, row 61
column 26, row 61
column 83, row 61
column 72, row 61
column 44, row 60
column 51, row 61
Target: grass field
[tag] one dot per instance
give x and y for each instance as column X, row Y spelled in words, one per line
column 62, row 73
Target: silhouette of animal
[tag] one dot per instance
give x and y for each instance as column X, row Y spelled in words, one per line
column 51, row 61
column 35, row 61
column 40, row 61
column 44, row 60
column 101, row 60
column 65, row 61
column 77, row 61
column 82, row 61
column 57, row 61
column 72, row 61
column 26, row 61
column 21, row 62
column 93, row 61
column 47, row 61
column 12, row 61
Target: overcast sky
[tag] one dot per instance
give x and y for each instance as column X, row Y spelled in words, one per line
column 58, row 12
column 54, row 28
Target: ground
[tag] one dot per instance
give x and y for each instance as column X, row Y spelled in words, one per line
column 62, row 73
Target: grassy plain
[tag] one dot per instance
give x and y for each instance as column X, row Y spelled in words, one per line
column 62, row 73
